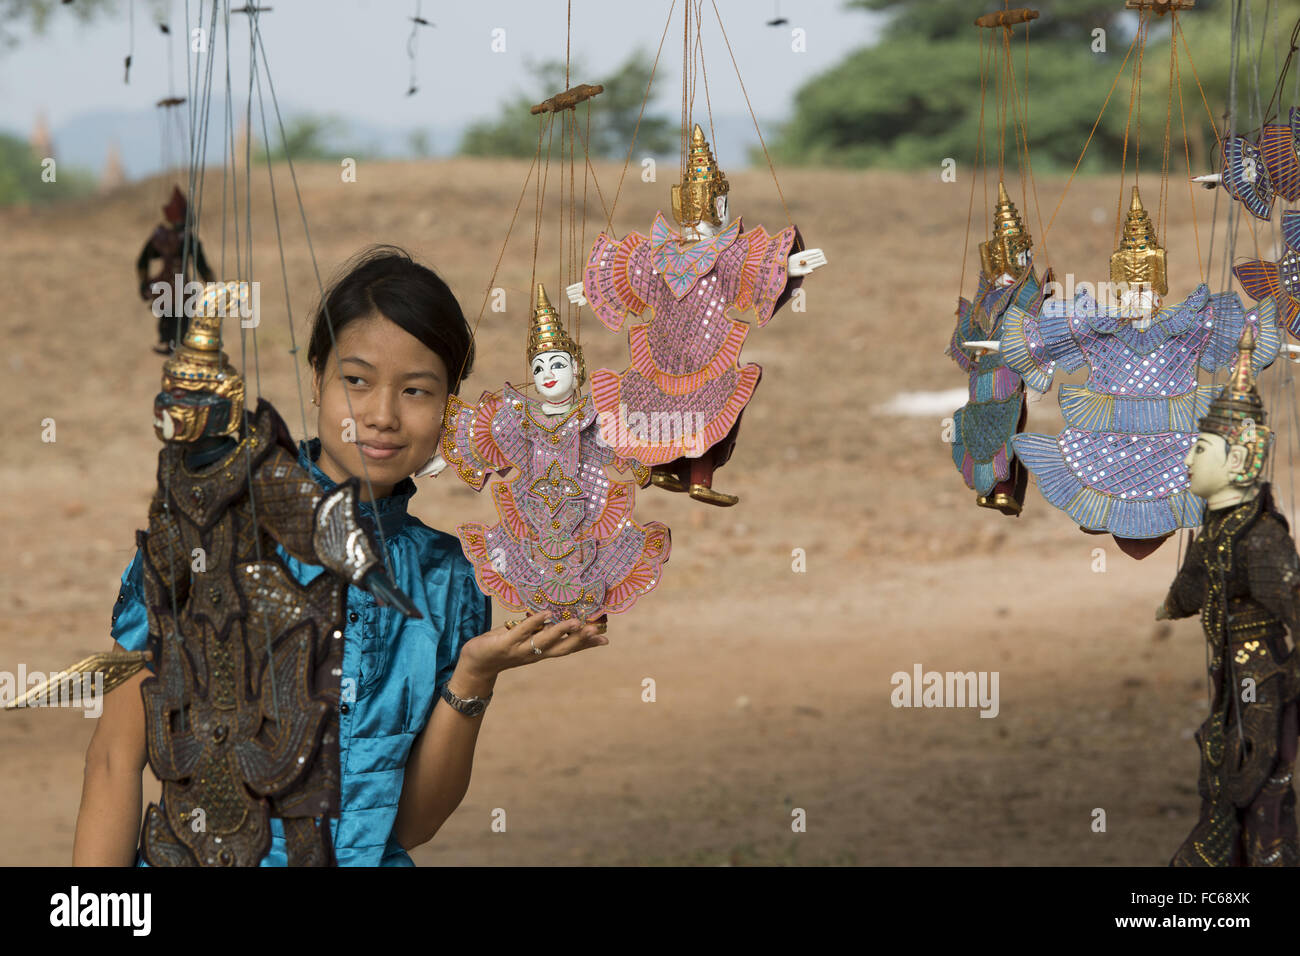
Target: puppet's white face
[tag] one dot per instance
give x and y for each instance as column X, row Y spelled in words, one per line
column 707, row 230
column 553, row 374
column 1139, row 302
column 1210, row 465
column 1022, row 263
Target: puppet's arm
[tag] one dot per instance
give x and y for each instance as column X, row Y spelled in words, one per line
column 1033, row 344
column 201, row 262
column 764, row 281
column 1273, row 569
column 1187, row 593
column 957, row 350
column 1230, row 318
column 471, row 442
column 618, row 279
column 322, row 528
column 147, row 255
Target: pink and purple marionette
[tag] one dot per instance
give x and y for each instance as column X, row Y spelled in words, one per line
column 995, row 410
column 1117, row 468
column 677, row 407
column 566, row 542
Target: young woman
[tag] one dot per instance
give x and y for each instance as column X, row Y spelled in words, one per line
column 381, row 382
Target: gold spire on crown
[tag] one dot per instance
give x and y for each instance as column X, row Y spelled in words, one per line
column 1139, row 258
column 1010, row 239
column 546, row 333
column 694, row 199
column 198, row 364
column 1237, row 413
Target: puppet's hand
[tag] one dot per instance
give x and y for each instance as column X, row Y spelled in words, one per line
column 1162, row 613
column 433, row 467
column 981, row 347
column 574, row 292
column 802, row 263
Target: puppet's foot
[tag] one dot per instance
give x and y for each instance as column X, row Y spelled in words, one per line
column 667, row 480
column 709, row 496
column 163, row 348
column 999, row 502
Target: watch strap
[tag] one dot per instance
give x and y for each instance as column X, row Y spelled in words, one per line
column 469, row 706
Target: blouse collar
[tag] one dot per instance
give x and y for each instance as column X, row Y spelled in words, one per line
column 391, row 511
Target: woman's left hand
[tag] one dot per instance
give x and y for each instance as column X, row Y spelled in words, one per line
column 527, row 642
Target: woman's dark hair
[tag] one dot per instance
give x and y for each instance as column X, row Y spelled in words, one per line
column 385, row 279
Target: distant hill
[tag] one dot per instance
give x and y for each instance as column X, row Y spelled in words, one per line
column 84, row 140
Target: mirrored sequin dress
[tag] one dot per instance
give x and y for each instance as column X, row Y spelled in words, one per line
column 685, row 388
column 566, row 542
column 982, row 428
column 1118, row 465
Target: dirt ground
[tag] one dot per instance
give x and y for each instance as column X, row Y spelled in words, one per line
column 773, row 686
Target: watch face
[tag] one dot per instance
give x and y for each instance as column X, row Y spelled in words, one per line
column 472, row 708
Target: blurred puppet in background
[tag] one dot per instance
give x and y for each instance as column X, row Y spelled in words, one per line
column 180, row 259
column 995, row 410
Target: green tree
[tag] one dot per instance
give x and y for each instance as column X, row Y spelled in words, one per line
column 39, row 13
column 613, row 115
column 914, row 98
column 20, row 176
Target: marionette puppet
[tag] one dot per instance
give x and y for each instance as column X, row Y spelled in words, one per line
column 1256, row 172
column 241, row 714
column 566, row 542
column 677, row 407
column 996, row 410
column 167, row 246
column 1117, row 466
column 1241, row 573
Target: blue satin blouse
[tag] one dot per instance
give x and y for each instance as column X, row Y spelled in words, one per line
column 394, row 668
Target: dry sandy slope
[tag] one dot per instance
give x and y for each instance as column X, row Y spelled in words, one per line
column 773, row 686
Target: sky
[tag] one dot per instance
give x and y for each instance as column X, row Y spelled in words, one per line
column 349, row 58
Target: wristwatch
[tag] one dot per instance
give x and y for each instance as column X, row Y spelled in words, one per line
column 469, row 706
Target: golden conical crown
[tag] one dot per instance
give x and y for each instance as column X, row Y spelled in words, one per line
column 1010, row 239
column 1139, row 258
column 1237, row 413
column 694, row 199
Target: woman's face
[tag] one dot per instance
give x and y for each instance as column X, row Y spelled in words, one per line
column 382, row 395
